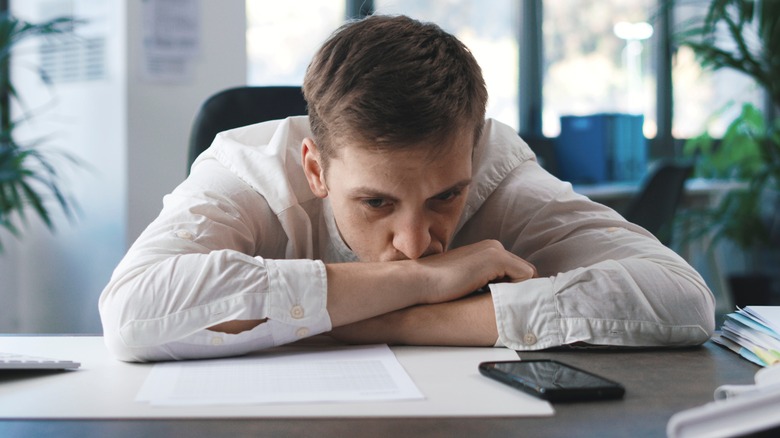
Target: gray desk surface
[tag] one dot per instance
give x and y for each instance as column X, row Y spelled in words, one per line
column 659, row 383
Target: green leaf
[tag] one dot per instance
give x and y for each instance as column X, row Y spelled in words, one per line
column 30, row 177
column 34, row 199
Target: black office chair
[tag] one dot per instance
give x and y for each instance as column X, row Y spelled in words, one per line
column 655, row 205
column 241, row 106
column 544, row 148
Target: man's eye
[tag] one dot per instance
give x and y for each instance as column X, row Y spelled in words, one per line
column 446, row 196
column 375, row 202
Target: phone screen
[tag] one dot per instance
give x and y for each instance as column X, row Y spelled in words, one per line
column 552, row 380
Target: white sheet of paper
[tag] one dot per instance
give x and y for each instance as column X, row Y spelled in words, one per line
column 768, row 315
column 341, row 374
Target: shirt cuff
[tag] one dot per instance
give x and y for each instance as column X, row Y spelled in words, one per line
column 298, row 302
column 526, row 316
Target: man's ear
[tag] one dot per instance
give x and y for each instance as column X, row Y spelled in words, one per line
column 312, row 168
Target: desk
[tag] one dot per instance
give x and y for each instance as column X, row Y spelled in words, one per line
column 659, row 383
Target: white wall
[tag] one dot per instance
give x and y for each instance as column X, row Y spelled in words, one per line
column 58, row 276
column 161, row 114
column 133, row 134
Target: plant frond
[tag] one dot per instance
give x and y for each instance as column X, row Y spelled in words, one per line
column 30, row 178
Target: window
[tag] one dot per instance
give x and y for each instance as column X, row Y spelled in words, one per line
column 282, row 37
column 703, row 99
column 489, row 32
column 597, row 58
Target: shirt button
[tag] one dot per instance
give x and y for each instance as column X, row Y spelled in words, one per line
column 183, row 234
column 529, row 339
column 612, row 229
column 302, row 332
column 296, row 312
column 216, row 341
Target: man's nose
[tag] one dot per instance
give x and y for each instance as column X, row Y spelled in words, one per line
column 412, row 237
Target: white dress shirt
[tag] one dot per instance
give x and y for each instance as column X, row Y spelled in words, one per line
column 243, row 237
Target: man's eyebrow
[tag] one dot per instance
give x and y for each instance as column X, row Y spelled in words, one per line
column 461, row 184
column 457, row 186
column 369, row 192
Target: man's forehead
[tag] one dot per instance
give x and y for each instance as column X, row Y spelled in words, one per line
column 391, row 173
column 428, row 149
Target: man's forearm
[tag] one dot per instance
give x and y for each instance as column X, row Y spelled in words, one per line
column 362, row 291
column 359, row 291
column 468, row 321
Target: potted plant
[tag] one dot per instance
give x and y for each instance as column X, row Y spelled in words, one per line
column 743, row 35
column 29, row 178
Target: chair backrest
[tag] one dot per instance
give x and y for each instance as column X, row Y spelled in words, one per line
column 241, row 106
column 656, row 203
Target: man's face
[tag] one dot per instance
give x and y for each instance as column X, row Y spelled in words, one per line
column 395, row 205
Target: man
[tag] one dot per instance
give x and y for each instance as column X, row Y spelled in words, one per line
column 393, row 213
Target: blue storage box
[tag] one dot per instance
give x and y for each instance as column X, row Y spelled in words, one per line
column 601, row 148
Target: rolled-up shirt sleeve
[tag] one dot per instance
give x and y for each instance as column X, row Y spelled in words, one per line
column 602, row 280
column 193, row 268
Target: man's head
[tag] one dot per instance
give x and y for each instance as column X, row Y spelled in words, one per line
column 396, row 108
column 392, row 82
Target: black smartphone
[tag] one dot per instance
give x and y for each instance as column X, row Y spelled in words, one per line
column 552, row 380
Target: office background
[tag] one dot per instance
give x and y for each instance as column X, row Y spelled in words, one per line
column 131, row 125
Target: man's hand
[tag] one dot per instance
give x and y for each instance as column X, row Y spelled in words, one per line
column 463, row 270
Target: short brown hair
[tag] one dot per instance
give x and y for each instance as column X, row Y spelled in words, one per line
column 391, row 81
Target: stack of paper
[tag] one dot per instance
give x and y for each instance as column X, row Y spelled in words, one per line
column 753, row 333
